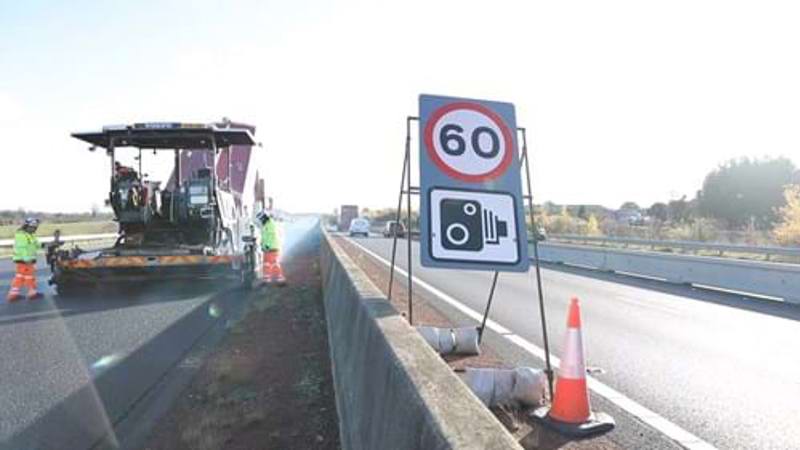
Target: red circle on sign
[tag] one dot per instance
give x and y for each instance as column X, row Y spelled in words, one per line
column 494, row 117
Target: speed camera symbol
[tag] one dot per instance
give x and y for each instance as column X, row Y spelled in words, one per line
column 466, row 225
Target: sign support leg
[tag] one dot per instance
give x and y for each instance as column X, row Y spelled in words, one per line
column 406, row 162
column 548, row 367
column 488, row 306
column 410, row 225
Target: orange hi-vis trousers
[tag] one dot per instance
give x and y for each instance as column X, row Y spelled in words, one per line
column 25, row 277
column 272, row 270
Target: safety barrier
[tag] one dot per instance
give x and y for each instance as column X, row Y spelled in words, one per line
column 88, row 241
column 756, row 277
column 71, row 239
column 392, row 390
column 693, row 246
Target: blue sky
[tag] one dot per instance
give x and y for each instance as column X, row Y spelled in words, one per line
column 625, row 100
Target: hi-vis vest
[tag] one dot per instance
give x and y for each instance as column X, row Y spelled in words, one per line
column 269, row 236
column 25, row 246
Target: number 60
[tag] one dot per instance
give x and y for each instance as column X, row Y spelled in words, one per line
column 452, row 133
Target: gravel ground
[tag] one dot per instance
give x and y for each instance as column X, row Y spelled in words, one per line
column 268, row 385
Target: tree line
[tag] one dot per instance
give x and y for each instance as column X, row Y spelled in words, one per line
column 747, row 194
column 742, row 194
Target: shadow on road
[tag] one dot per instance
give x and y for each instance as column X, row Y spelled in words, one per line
column 86, row 418
column 93, row 301
column 740, row 301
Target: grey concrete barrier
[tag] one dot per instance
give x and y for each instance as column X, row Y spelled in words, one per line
column 756, row 277
column 392, row 390
column 685, row 245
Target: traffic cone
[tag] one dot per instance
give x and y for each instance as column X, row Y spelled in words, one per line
column 570, row 413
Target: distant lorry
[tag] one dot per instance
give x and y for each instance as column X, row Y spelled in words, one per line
column 197, row 225
column 346, row 215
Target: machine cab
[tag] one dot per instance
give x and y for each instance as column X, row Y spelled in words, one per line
column 186, row 208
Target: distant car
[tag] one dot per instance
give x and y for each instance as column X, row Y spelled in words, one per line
column 394, row 228
column 359, row 227
column 332, row 227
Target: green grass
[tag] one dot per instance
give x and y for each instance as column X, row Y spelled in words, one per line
column 67, row 229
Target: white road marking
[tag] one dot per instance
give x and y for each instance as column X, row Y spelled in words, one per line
column 669, row 429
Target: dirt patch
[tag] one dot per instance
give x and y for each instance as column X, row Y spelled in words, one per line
column 268, row 385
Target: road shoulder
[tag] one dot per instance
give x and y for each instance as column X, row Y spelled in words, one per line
column 630, row 431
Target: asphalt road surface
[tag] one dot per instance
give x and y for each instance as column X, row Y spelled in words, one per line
column 72, row 367
column 724, row 368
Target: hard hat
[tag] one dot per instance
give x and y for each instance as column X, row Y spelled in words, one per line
column 31, row 222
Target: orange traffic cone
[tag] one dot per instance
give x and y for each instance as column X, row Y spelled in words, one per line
column 570, row 413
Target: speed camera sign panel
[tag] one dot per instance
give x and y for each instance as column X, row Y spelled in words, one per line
column 472, row 226
column 471, row 193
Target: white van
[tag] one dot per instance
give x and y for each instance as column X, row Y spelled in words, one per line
column 359, row 227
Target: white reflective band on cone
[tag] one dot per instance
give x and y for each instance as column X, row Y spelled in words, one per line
column 572, row 364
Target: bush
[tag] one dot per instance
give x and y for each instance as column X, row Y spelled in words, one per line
column 699, row 230
column 592, row 226
column 788, row 230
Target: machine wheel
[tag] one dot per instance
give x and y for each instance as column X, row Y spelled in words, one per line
column 248, row 273
column 248, row 280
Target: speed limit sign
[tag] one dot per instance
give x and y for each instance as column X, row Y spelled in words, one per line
column 469, row 141
column 471, row 193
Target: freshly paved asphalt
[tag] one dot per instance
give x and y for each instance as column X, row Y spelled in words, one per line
column 723, row 367
column 72, row 367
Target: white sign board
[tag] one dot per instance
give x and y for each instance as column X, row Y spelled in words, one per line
column 471, row 193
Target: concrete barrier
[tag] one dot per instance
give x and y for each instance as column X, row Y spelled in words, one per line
column 764, row 278
column 392, row 390
column 693, row 246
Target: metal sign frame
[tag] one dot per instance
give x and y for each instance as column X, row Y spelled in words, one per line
column 407, row 190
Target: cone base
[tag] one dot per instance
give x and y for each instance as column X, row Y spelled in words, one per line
column 597, row 423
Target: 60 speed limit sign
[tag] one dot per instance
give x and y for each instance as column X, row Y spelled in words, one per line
column 469, row 141
column 471, row 193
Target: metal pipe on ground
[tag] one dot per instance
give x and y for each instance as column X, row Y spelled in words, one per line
column 451, row 341
column 524, row 385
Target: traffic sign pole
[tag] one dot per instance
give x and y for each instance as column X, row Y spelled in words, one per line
column 410, row 225
column 488, row 307
column 548, row 368
column 397, row 218
column 407, row 189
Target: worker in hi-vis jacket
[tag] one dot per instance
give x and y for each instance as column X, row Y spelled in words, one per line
column 26, row 245
column 271, row 248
